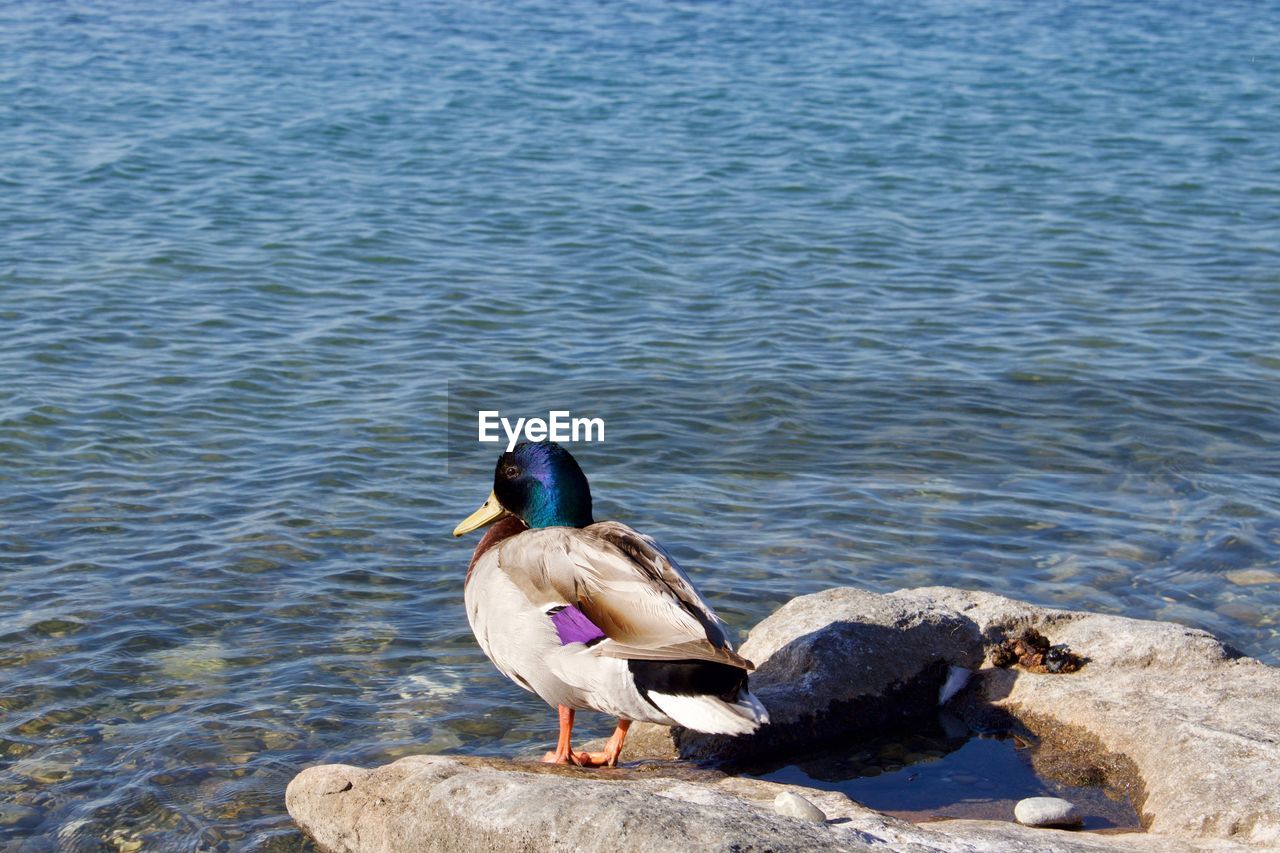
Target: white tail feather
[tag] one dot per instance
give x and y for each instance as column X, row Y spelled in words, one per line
column 957, row 678
column 712, row 715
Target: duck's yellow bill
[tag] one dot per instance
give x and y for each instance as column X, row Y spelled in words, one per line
column 489, row 512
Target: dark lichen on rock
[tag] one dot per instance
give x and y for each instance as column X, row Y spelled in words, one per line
column 1031, row 650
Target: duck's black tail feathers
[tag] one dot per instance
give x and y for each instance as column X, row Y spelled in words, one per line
column 705, row 696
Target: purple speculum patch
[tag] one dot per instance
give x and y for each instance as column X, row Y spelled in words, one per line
column 574, row 627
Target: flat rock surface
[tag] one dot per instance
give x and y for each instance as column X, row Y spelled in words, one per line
column 445, row 803
column 1188, row 727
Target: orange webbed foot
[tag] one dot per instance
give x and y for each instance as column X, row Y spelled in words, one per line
column 564, row 754
column 598, row 759
column 566, row 757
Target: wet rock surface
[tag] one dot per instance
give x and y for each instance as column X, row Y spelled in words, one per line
column 1166, row 714
column 17, row 816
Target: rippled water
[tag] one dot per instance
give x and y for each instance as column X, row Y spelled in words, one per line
column 973, row 294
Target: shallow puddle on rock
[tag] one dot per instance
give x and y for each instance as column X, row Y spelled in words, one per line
column 945, row 770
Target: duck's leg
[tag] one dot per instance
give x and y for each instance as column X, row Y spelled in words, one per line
column 563, row 753
column 612, row 748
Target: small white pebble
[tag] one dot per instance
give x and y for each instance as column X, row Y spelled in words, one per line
column 1046, row 811
column 788, row 804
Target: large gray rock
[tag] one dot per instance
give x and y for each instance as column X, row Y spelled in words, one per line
column 431, row 804
column 1187, row 725
column 437, row 803
column 1189, row 729
column 833, row 663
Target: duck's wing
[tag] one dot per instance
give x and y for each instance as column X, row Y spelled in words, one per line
column 627, row 586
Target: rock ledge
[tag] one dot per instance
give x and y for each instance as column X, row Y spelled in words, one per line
column 1186, row 727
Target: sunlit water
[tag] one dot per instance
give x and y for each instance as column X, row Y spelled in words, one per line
column 970, row 294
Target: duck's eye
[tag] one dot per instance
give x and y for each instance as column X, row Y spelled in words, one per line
column 511, row 472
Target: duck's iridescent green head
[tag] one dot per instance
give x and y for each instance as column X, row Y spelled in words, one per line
column 541, row 484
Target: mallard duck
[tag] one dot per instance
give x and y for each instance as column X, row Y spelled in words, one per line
column 594, row 615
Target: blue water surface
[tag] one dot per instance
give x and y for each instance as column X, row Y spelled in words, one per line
column 981, row 294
